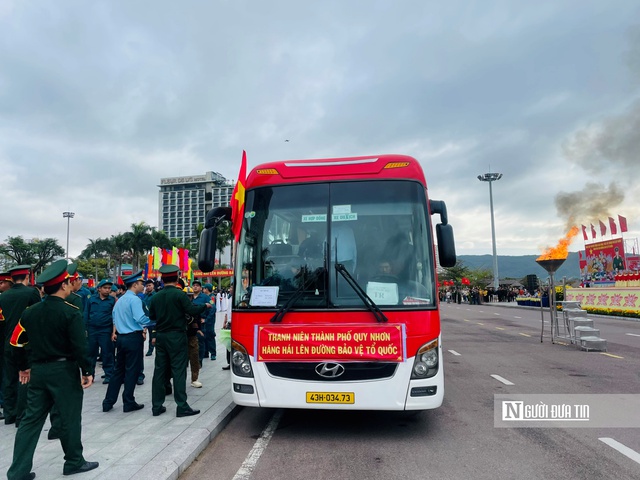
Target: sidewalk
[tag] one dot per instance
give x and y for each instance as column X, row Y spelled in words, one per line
column 137, row 445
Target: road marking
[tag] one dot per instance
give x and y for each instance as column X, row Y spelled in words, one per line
column 524, row 334
column 496, row 313
column 633, row 334
column 623, row 449
column 560, row 343
column 503, row 380
column 481, row 311
column 610, row 355
column 480, row 323
column 517, row 317
column 499, row 328
column 453, row 352
column 249, row 464
column 466, row 320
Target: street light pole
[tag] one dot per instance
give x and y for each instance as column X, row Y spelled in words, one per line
column 492, row 177
column 68, row 216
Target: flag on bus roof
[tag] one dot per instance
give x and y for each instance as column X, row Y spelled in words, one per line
column 237, row 199
column 612, row 226
column 593, row 231
column 584, row 233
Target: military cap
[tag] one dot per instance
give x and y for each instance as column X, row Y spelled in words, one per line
column 5, row 277
column 104, row 281
column 208, row 286
column 150, row 282
column 19, row 270
column 133, row 278
column 169, row 270
column 54, row 274
column 72, row 270
column 114, row 288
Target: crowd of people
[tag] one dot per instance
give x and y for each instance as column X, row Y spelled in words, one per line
column 54, row 334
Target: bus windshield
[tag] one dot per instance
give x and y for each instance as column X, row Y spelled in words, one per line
column 294, row 235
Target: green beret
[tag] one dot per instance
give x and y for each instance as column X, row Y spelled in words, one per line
column 54, row 274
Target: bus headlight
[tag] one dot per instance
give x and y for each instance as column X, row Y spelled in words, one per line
column 240, row 362
column 425, row 364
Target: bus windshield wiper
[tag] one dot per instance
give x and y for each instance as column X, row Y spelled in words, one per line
column 366, row 299
column 295, row 296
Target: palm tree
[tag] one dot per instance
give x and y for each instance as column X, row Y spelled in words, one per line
column 118, row 245
column 140, row 241
column 159, row 238
column 224, row 238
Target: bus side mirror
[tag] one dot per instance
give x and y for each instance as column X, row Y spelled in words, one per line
column 440, row 208
column 446, row 245
column 207, row 249
column 209, row 237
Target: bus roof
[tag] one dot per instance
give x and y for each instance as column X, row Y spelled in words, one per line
column 332, row 169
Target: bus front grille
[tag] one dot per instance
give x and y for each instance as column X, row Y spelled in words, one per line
column 352, row 371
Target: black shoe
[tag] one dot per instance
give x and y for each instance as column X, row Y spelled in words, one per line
column 149, row 353
column 228, row 367
column 103, row 376
column 188, row 413
column 106, row 380
column 140, row 381
column 53, row 435
column 84, row 468
column 106, row 407
column 159, row 412
column 28, row 476
column 133, row 408
column 9, row 420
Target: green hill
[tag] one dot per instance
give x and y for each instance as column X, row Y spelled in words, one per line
column 520, row 266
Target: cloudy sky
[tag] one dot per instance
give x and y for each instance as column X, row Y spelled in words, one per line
column 100, row 99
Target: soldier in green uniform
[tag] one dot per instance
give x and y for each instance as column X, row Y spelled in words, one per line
column 76, row 283
column 5, row 284
column 13, row 302
column 169, row 308
column 56, row 369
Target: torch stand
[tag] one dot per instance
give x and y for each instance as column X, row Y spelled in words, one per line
column 551, row 266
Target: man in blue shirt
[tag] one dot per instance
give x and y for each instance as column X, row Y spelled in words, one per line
column 98, row 321
column 129, row 321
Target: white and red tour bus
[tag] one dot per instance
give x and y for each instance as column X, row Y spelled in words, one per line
column 335, row 302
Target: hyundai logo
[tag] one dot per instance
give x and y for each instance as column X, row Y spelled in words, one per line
column 329, row 370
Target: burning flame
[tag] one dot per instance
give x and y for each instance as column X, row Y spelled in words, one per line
column 560, row 251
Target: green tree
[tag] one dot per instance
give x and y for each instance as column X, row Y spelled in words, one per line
column 160, row 239
column 224, row 238
column 18, row 250
column 139, row 241
column 38, row 253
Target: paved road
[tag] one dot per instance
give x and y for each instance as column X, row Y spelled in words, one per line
column 459, row 440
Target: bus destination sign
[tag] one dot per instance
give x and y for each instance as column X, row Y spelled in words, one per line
column 336, row 342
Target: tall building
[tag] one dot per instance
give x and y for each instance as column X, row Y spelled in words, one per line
column 184, row 201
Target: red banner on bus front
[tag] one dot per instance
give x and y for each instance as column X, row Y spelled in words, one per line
column 297, row 343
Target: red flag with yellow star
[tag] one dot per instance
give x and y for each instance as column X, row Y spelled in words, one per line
column 237, row 199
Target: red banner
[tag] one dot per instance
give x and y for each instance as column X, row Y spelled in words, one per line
column 296, row 343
